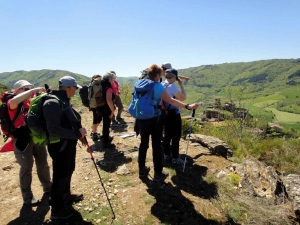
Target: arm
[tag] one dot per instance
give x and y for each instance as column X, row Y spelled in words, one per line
column 180, row 95
column 177, row 103
column 14, row 102
column 110, row 103
column 183, row 77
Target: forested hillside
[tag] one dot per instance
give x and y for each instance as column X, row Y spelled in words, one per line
column 258, row 78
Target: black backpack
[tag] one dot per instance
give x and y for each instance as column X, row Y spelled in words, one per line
column 7, row 125
column 144, row 74
column 84, row 95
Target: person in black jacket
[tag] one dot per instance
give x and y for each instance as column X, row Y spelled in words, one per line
column 63, row 121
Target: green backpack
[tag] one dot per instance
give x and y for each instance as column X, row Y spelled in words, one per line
column 36, row 122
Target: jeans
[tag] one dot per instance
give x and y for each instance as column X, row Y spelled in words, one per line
column 154, row 128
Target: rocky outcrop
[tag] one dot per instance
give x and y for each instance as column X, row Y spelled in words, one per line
column 215, row 145
column 258, row 179
column 292, row 186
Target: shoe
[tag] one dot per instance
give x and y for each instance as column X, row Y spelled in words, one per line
column 33, row 202
column 114, row 122
column 95, row 136
column 110, row 139
column 178, row 161
column 108, row 145
column 63, row 214
column 160, row 177
column 121, row 120
column 144, row 172
column 72, row 197
column 168, row 158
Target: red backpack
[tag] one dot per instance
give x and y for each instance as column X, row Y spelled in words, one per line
column 7, row 125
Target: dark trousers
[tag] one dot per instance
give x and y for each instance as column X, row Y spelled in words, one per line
column 172, row 133
column 151, row 127
column 63, row 163
column 105, row 128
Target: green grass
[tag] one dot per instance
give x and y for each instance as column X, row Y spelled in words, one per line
column 285, row 117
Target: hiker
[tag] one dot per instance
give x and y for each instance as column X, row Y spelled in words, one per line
column 172, row 118
column 153, row 127
column 94, row 88
column 24, row 149
column 168, row 65
column 107, row 111
column 117, row 101
column 63, row 121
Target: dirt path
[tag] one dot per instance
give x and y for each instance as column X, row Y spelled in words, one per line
column 184, row 198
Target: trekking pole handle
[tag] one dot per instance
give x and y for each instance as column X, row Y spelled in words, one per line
column 193, row 114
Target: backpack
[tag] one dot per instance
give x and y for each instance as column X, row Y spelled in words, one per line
column 36, row 122
column 142, row 105
column 84, row 95
column 95, row 94
column 144, row 74
column 7, row 125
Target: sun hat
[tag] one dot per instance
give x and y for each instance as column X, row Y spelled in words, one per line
column 68, row 81
column 22, row 83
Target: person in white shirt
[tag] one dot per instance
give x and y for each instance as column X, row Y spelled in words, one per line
column 172, row 119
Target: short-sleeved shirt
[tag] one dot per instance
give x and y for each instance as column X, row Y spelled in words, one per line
column 115, row 87
column 21, row 119
column 171, row 89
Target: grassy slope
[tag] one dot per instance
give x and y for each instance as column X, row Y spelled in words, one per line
column 264, row 83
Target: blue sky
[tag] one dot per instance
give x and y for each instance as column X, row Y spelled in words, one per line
column 93, row 36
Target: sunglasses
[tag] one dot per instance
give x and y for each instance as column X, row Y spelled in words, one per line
column 74, row 87
column 25, row 88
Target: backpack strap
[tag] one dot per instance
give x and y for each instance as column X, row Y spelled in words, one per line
column 16, row 116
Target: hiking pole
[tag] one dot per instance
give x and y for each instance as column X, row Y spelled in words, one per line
column 100, row 179
column 190, row 131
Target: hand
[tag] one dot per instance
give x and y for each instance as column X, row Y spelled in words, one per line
column 82, row 140
column 193, row 106
column 111, row 115
column 82, row 132
column 179, row 81
column 187, row 79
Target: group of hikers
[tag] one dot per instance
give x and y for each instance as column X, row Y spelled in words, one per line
column 64, row 128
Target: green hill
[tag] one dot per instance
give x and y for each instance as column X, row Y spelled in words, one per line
column 40, row 77
column 264, row 87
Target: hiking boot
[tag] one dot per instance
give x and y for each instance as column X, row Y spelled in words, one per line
column 63, row 214
column 72, row 197
column 114, row 122
column 144, row 172
column 95, row 136
column 168, row 158
column 121, row 120
column 160, row 177
column 33, row 202
column 178, row 161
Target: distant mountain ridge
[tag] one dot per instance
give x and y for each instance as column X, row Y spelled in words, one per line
column 40, row 77
column 258, row 78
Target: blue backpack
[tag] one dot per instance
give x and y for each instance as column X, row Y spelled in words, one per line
column 143, row 106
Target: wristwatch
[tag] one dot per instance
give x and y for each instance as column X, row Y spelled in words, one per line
column 186, row 106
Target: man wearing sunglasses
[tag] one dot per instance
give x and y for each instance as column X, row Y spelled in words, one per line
column 26, row 152
column 64, row 122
